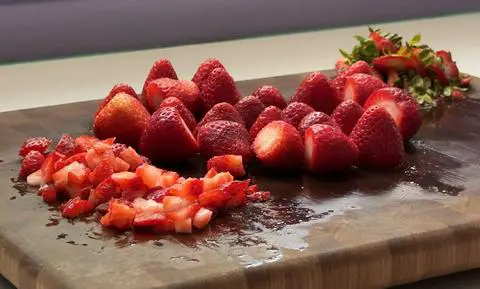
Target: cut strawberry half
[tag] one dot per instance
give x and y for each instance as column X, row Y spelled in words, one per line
column 449, row 67
column 358, row 87
column 202, row 218
column 120, row 215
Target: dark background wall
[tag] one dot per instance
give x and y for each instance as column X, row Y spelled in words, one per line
column 39, row 29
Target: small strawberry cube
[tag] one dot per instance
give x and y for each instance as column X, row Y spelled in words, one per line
column 76, row 207
column 48, row 193
column 216, row 181
column 174, row 203
column 120, row 165
column 104, row 192
column 35, row 178
column 132, row 157
column 214, row 199
column 227, row 163
column 120, row 215
column 211, row 173
column 237, row 190
column 84, row 143
column 202, row 218
column 183, row 226
column 156, row 194
column 168, row 179
column 184, row 213
column 48, row 166
column 149, row 175
column 61, row 163
column 101, row 172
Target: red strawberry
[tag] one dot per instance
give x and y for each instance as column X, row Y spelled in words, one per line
column 150, row 175
column 340, row 65
column 404, row 110
column 167, row 137
column 117, row 148
column 221, row 111
column 249, row 108
column 101, row 172
column 182, row 110
column 76, row 207
column 202, row 218
column 346, row 115
column 204, row 70
column 103, row 192
column 448, row 65
column 268, row 115
column 116, row 89
column 84, row 142
column 381, row 43
column 130, row 156
column 130, row 185
column 124, row 118
column 358, row 67
column 316, row 117
column 162, row 88
column 39, row 144
column 279, row 145
column 48, row 193
column 160, row 69
column 395, row 62
column 219, row 87
column 338, row 83
column 270, row 95
column 378, row 140
column 392, row 77
column 66, row 145
column 215, row 181
column 48, row 166
column 227, row 163
column 358, row 87
column 61, row 163
column 32, row 162
column 317, row 91
column 223, row 137
column 295, row 112
column 120, row 215
column 215, row 199
column 328, row 149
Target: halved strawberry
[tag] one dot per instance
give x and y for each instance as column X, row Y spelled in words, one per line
column 280, row 146
column 395, row 62
column 202, row 218
column 404, row 110
column 316, row 117
column 160, row 69
column 39, row 144
column 120, row 215
column 76, row 207
column 32, row 162
column 227, row 163
column 186, row 115
column 270, row 114
column 449, row 67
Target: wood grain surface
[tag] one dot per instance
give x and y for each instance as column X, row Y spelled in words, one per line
column 361, row 230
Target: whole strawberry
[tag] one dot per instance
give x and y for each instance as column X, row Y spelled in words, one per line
column 124, row 118
column 358, row 87
column 162, row 88
column 249, row 108
column 219, row 87
column 222, row 137
column 270, row 95
column 316, row 117
column 268, row 115
column 317, row 91
column 378, row 140
column 279, row 146
column 161, row 68
column 116, row 89
column 186, row 115
column 295, row 112
column 204, row 70
column 346, row 115
column 404, row 110
column 328, row 149
column 31, row 163
column 167, row 138
column 221, row 111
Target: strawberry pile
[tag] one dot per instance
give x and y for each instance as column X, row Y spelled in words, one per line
column 84, row 173
column 431, row 77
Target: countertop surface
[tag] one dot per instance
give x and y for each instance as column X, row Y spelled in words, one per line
column 51, row 82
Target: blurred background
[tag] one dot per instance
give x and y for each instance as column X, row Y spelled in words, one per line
column 45, row 29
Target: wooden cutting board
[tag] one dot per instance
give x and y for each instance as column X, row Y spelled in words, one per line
column 362, row 230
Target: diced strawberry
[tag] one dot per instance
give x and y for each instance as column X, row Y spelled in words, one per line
column 76, row 207
column 32, row 162
column 157, row 220
column 202, row 218
column 48, row 166
column 132, row 157
column 173, row 203
column 48, row 193
column 150, row 175
column 167, row 179
column 117, row 148
column 211, row 173
column 252, row 189
column 184, row 213
column 66, row 145
column 35, row 178
column 102, row 171
column 156, row 194
column 120, row 215
column 61, row 163
column 78, row 176
column 39, row 144
column 227, row 163
column 104, row 192
column 84, row 142
column 259, row 196
column 131, row 185
column 237, row 191
column 102, row 146
column 120, row 165
column 183, row 226
column 216, row 181
column 193, row 186
column 81, row 191
column 93, row 158
column 144, row 205
column 214, row 198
